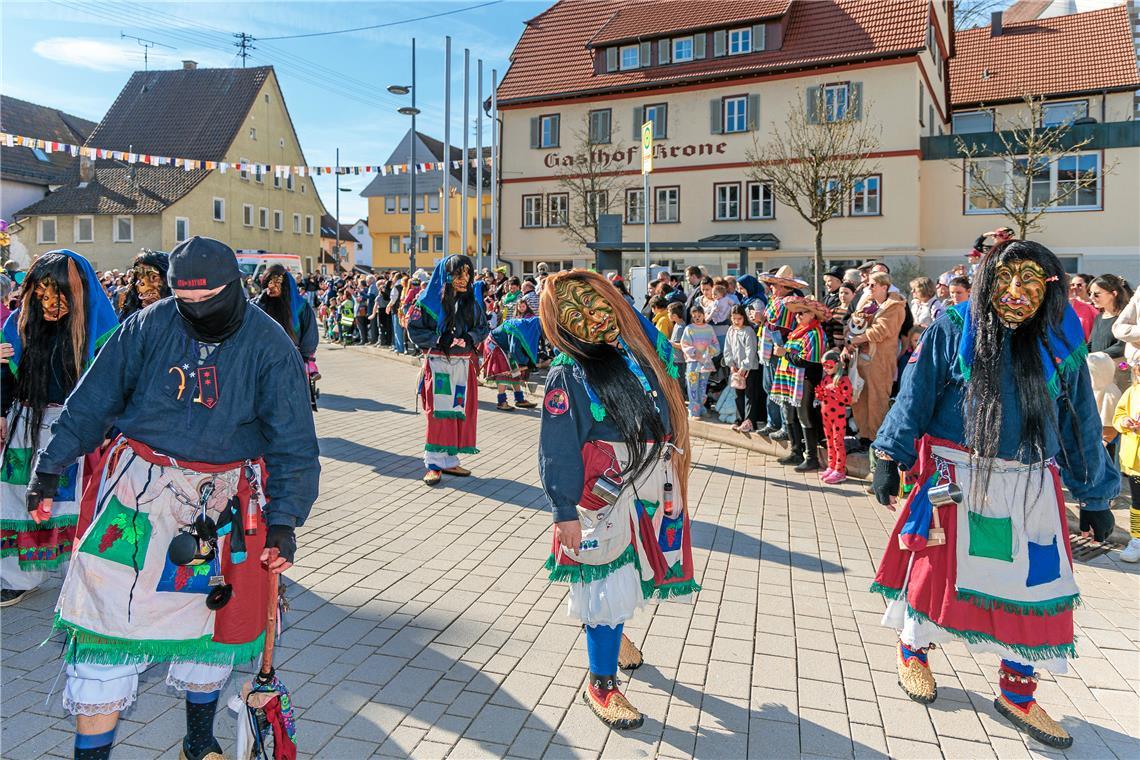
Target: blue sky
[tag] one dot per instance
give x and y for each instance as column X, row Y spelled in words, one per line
column 68, row 54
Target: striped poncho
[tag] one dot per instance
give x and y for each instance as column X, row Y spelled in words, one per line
column 805, row 343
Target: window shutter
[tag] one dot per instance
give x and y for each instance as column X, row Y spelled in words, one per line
column 534, row 131
column 646, row 54
column 663, row 51
column 557, row 128
column 718, row 43
column 715, row 117
column 753, row 112
column 855, row 99
column 638, row 120
column 699, row 46
column 812, row 104
column 611, row 59
column 758, row 37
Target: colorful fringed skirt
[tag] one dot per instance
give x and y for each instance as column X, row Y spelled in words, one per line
column 124, row 602
column 498, row 366
column 449, row 393
column 632, row 550
column 1003, row 580
column 48, row 545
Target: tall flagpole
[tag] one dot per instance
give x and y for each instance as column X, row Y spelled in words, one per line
column 479, row 158
column 463, row 225
column 446, row 157
column 494, row 169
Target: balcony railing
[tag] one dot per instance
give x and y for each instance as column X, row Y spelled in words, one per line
column 1115, row 134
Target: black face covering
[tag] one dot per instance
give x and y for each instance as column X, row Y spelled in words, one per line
column 217, row 318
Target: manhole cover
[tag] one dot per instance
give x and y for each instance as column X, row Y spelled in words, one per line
column 1084, row 548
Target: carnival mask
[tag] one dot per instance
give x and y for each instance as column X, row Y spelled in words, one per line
column 1018, row 291
column 585, row 313
column 148, row 284
column 274, row 285
column 53, row 302
column 461, row 279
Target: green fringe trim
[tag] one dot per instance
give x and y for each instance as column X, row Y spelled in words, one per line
column 588, row 573
column 31, row 526
column 1068, row 364
column 664, row 349
column 40, row 564
column 676, row 571
column 90, row 647
column 1030, row 653
column 450, row 449
column 597, row 411
column 887, row 591
column 563, row 360
column 956, row 317
column 669, row 590
column 1047, row 607
column 674, row 370
column 449, row 415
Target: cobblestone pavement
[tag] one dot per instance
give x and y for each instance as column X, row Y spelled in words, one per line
column 423, row 624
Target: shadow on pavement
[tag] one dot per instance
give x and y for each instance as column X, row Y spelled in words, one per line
column 336, row 403
column 382, row 462
column 720, row 538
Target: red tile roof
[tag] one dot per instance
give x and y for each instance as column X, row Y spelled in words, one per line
column 551, row 59
column 1081, row 52
column 656, row 18
column 1025, row 10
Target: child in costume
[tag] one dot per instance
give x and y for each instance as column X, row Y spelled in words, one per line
column 508, row 355
column 448, row 323
column 699, row 343
column 742, row 359
column 834, row 396
column 208, row 397
column 1126, row 420
column 798, row 371
column 64, row 317
column 995, row 410
column 614, row 462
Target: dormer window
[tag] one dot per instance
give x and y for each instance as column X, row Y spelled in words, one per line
column 682, row 49
column 630, row 57
column 740, row 41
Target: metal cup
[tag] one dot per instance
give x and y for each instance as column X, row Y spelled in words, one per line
column 947, row 493
column 606, row 490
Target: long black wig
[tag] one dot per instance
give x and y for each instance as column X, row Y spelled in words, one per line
column 454, row 301
column 983, row 410
column 131, row 301
column 281, row 307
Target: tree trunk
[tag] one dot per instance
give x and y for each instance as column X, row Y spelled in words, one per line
column 817, row 285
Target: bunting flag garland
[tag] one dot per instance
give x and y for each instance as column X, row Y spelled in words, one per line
column 259, row 170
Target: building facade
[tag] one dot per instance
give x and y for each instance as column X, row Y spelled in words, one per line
column 108, row 210
column 389, row 209
column 716, row 80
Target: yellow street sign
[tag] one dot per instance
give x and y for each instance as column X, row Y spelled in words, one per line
column 647, row 147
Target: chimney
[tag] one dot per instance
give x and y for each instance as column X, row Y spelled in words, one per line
column 188, row 65
column 995, row 24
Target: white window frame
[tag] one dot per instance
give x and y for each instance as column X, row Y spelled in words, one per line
column 420, row 205
column 981, row 112
column 405, row 204
column 437, row 243
column 726, row 202
column 289, row 181
column 557, row 210
column 91, row 237
column 831, row 187
column 115, row 229
column 635, row 209
column 1053, row 181
column 532, row 207
column 389, row 204
column 1059, row 104
column 214, row 209
column 253, row 133
column 678, row 46
column 40, row 237
column 836, row 101
column 393, row 244
column 244, row 173
column 660, row 126
column 433, row 203
column 632, row 62
column 308, row 224
column 740, row 41
column 278, row 220
column 766, row 208
column 673, row 203
column 247, row 215
column 595, row 134
column 296, row 224
column 276, row 181
column 549, row 138
column 739, row 107
column 592, row 202
column 258, row 175
column 263, row 218
column 185, row 222
column 869, row 197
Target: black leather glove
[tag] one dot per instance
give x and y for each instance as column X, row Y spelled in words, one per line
column 43, row 485
column 885, row 481
column 283, row 538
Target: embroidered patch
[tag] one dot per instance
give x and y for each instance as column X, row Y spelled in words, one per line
column 208, row 390
column 120, row 535
column 556, row 402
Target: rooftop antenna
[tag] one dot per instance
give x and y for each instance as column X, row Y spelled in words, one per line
column 146, row 46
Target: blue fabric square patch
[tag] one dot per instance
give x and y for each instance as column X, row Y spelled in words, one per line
column 1044, row 563
column 460, row 396
column 67, row 484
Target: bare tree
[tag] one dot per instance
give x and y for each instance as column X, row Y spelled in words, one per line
column 1011, row 171
column 973, row 13
column 813, row 161
column 590, row 177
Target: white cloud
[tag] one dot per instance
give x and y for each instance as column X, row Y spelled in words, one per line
column 127, row 55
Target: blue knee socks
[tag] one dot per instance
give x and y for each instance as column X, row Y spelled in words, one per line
column 94, row 746
column 519, row 395
column 602, row 645
column 502, row 398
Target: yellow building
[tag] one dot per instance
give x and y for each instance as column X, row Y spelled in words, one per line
column 108, row 209
column 389, row 209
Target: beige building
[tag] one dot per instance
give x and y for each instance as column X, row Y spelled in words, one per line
column 108, row 210
column 716, row 79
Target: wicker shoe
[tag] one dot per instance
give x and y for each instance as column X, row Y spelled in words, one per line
column 212, row 753
column 1035, row 722
column 629, row 656
column 915, row 677
column 458, row 471
column 610, row 705
column 432, row 477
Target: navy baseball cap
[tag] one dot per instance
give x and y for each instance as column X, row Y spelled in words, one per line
column 202, row 264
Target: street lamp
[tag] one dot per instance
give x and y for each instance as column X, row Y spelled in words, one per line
column 404, row 89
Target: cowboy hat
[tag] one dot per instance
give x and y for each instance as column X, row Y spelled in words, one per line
column 816, row 308
column 783, row 276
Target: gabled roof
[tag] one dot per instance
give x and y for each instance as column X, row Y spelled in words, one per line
column 20, row 164
column 328, row 228
column 551, row 59
column 184, row 113
column 657, row 18
column 118, row 188
column 428, row 149
column 1061, row 55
